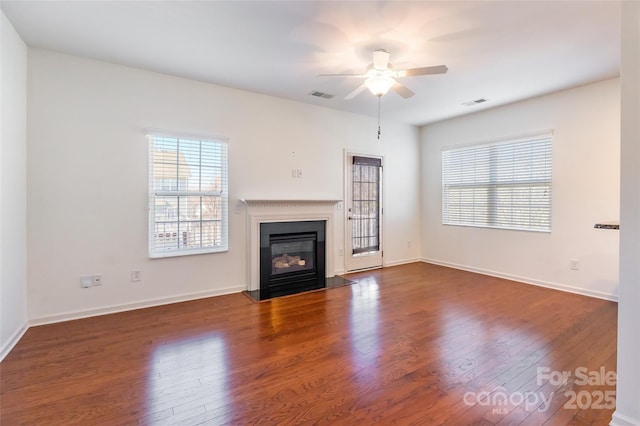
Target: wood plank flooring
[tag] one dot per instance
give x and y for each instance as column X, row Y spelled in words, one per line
column 416, row 344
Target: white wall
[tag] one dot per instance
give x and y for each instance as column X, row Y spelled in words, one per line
column 628, row 390
column 586, row 150
column 87, row 161
column 13, row 187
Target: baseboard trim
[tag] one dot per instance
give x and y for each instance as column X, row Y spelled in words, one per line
column 622, row 420
column 554, row 286
column 400, row 262
column 15, row 338
column 69, row 316
column 355, row 271
column 384, row 265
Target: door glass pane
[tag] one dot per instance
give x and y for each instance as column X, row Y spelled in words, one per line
column 365, row 218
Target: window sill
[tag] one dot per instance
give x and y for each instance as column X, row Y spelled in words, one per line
column 187, row 253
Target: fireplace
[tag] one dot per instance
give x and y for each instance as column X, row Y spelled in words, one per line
column 266, row 212
column 292, row 257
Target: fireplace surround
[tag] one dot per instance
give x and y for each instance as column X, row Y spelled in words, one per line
column 260, row 212
column 292, row 257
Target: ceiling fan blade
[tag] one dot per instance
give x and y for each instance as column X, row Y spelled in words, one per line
column 401, row 90
column 437, row 69
column 341, row 75
column 380, row 59
column 355, row 93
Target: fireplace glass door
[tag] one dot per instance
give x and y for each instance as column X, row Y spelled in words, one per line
column 292, row 254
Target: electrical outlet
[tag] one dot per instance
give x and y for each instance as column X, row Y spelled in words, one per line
column 574, row 264
column 97, row 279
column 136, row 275
column 340, row 252
column 86, row 281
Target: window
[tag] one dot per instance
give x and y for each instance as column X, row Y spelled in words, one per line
column 188, row 196
column 503, row 185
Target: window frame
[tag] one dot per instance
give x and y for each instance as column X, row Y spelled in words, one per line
column 484, row 174
column 177, row 189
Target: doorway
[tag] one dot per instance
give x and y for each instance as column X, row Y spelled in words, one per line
column 363, row 248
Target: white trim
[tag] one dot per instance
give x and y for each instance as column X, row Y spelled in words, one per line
column 178, row 252
column 384, row 265
column 133, row 306
column 621, row 420
column 285, row 203
column 371, row 268
column 13, row 341
column 401, row 262
column 524, row 280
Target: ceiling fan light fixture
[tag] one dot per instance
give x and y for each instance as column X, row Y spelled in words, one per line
column 379, row 85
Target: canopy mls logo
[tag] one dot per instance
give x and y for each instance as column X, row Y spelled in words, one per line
column 502, row 402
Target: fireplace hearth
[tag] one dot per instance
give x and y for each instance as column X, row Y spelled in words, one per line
column 292, row 257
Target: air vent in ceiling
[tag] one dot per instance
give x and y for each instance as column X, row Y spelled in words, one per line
column 321, row 95
column 475, row 102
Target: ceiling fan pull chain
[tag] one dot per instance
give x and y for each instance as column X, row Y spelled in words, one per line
column 379, row 98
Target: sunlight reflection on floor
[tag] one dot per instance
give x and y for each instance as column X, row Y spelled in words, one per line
column 194, row 367
column 364, row 322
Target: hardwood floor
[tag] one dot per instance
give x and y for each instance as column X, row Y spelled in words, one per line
column 414, row 344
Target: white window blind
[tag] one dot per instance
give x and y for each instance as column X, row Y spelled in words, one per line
column 503, row 185
column 188, row 198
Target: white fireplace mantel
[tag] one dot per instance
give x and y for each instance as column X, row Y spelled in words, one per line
column 263, row 211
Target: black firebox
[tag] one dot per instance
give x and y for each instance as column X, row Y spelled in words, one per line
column 292, row 257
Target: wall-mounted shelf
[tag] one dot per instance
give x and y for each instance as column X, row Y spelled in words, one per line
column 607, row 225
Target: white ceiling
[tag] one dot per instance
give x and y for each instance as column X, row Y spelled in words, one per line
column 502, row 51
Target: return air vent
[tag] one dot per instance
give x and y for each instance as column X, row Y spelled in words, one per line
column 321, row 95
column 475, row 102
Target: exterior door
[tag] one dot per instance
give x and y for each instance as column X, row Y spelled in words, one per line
column 363, row 213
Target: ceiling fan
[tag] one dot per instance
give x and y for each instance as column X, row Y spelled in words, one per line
column 380, row 76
